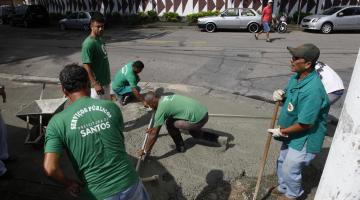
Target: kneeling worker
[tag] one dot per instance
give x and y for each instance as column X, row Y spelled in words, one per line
column 179, row 112
column 125, row 82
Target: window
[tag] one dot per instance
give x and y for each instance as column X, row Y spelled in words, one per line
column 82, row 15
column 73, row 16
column 349, row 11
column 247, row 12
column 232, row 12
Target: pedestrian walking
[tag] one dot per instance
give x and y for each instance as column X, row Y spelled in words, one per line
column 266, row 19
column 91, row 131
column 302, row 121
column 95, row 59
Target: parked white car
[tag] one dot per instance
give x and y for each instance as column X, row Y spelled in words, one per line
column 232, row 18
column 335, row 18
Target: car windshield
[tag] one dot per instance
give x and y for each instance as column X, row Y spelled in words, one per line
column 37, row 9
column 331, row 11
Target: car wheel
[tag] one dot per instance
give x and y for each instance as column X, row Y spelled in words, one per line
column 253, row 27
column 62, row 27
column 326, row 28
column 11, row 22
column 210, row 27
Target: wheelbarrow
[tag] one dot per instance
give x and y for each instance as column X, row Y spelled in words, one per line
column 38, row 114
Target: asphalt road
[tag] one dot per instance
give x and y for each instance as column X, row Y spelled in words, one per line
column 233, row 60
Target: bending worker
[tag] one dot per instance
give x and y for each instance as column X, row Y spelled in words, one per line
column 125, row 82
column 179, row 112
column 91, row 131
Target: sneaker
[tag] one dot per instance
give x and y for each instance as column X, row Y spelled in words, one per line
column 268, row 40
column 256, row 37
column 124, row 100
column 275, row 192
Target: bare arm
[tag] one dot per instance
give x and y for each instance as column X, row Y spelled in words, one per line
column 138, row 96
column 52, row 169
column 153, row 134
column 99, row 89
column 295, row 128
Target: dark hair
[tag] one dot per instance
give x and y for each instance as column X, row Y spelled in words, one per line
column 138, row 64
column 97, row 17
column 73, row 78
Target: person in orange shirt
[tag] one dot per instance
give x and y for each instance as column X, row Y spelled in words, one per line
column 266, row 18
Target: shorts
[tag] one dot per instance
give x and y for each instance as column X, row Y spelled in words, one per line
column 266, row 27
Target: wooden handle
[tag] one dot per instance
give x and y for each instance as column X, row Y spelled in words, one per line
column 266, row 150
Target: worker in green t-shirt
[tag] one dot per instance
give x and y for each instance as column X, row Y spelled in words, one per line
column 178, row 112
column 90, row 131
column 125, row 82
column 95, row 59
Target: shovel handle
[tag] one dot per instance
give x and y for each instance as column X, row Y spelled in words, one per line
column 266, row 150
column 143, row 145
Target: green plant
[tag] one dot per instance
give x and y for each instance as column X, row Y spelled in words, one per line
column 153, row 16
column 171, row 17
column 192, row 18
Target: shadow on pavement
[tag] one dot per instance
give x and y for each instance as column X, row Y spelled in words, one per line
column 216, row 188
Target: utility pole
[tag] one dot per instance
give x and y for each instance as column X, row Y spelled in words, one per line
column 341, row 176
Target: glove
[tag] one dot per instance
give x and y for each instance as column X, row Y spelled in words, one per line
column 278, row 95
column 276, row 132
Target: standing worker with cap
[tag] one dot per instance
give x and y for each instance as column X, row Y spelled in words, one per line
column 302, row 121
column 266, row 19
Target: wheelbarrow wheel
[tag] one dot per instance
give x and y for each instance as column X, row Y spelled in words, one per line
column 34, row 133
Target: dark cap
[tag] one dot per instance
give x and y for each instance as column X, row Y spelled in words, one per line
column 309, row 52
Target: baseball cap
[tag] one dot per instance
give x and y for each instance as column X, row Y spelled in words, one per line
column 270, row 1
column 309, row 52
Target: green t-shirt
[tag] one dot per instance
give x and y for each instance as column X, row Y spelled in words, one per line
column 94, row 53
column 125, row 77
column 91, row 133
column 179, row 107
column 306, row 103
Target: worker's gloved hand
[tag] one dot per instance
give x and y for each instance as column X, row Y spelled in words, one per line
column 276, row 132
column 278, row 95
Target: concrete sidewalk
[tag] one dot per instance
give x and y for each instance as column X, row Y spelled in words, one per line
column 202, row 172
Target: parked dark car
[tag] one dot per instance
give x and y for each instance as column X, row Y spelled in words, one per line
column 77, row 20
column 5, row 11
column 29, row 15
